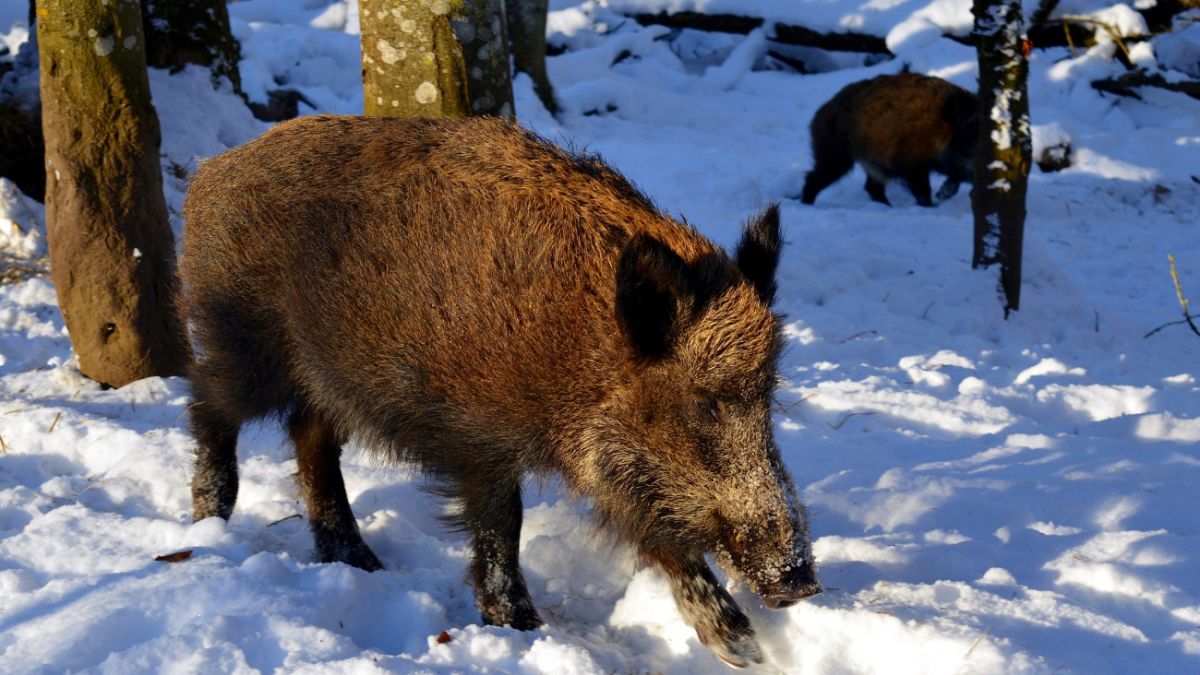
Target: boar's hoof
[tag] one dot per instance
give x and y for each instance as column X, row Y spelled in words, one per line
column 735, row 646
column 356, row 555
column 214, row 491
column 208, row 509
column 518, row 614
column 363, row 558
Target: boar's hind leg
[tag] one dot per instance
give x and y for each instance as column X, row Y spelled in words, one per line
column 948, row 189
column 215, row 483
column 708, row 607
column 829, row 167
column 493, row 518
column 318, row 453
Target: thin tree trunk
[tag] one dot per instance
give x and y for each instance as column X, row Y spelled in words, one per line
column 445, row 58
column 527, row 30
column 112, row 257
column 182, row 32
column 1004, row 151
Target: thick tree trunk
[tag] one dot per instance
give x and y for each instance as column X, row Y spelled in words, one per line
column 445, row 58
column 1005, row 147
column 182, row 32
column 527, row 31
column 112, row 256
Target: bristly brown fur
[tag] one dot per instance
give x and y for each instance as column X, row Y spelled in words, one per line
column 461, row 295
column 895, row 126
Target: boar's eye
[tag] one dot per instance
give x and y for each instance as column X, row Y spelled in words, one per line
column 711, row 406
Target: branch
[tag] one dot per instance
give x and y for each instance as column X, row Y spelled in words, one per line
column 1113, row 33
column 1124, row 85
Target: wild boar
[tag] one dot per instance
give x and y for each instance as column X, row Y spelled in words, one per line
column 895, row 126
column 462, row 296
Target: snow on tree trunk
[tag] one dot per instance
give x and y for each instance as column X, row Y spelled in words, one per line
column 112, row 256
column 435, row 58
column 527, row 30
column 1005, row 147
column 179, row 32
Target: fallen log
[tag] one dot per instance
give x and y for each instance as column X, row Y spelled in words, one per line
column 1044, row 32
column 784, row 33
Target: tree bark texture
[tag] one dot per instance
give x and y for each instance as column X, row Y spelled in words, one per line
column 527, row 31
column 182, row 32
column 435, row 58
column 1005, row 148
column 112, row 256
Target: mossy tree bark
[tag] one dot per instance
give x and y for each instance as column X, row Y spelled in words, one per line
column 1005, row 148
column 112, row 256
column 182, row 32
column 435, row 58
column 527, row 31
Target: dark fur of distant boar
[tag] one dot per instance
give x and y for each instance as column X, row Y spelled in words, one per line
column 895, row 126
column 466, row 297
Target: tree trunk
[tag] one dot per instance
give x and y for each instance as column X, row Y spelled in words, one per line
column 112, row 256
column 445, row 58
column 1005, row 148
column 527, row 30
column 182, row 32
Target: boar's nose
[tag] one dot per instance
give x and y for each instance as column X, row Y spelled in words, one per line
column 799, row 583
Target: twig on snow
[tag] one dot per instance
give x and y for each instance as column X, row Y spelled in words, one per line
column 1183, row 301
column 976, row 644
column 1165, row 325
column 843, row 421
column 282, row 520
column 857, row 335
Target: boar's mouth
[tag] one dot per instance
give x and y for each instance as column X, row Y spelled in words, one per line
column 796, row 584
column 779, row 580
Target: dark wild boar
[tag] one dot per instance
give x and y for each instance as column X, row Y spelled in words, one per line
column 895, row 126
column 463, row 296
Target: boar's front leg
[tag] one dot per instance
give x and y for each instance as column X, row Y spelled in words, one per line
column 877, row 190
column 917, row 181
column 492, row 514
column 708, row 607
column 318, row 455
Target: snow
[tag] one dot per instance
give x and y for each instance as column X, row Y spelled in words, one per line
column 1181, row 49
column 986, row 495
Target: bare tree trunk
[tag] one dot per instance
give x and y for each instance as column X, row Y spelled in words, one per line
column 1042, row 14
column 527, row 30
column 179, row 32
column 22, row 152
column 445, row 58
column 112, row 256
column 1005, row 146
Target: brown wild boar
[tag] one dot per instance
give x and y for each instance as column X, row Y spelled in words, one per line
column 465, row 297
column 895, row 126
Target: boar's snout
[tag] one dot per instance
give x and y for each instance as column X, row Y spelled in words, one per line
column 798, row 583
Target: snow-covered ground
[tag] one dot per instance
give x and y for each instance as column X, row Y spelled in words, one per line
column 987, row 495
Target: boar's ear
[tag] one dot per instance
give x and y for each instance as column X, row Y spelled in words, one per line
column 758, row 252
column 651, row 281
